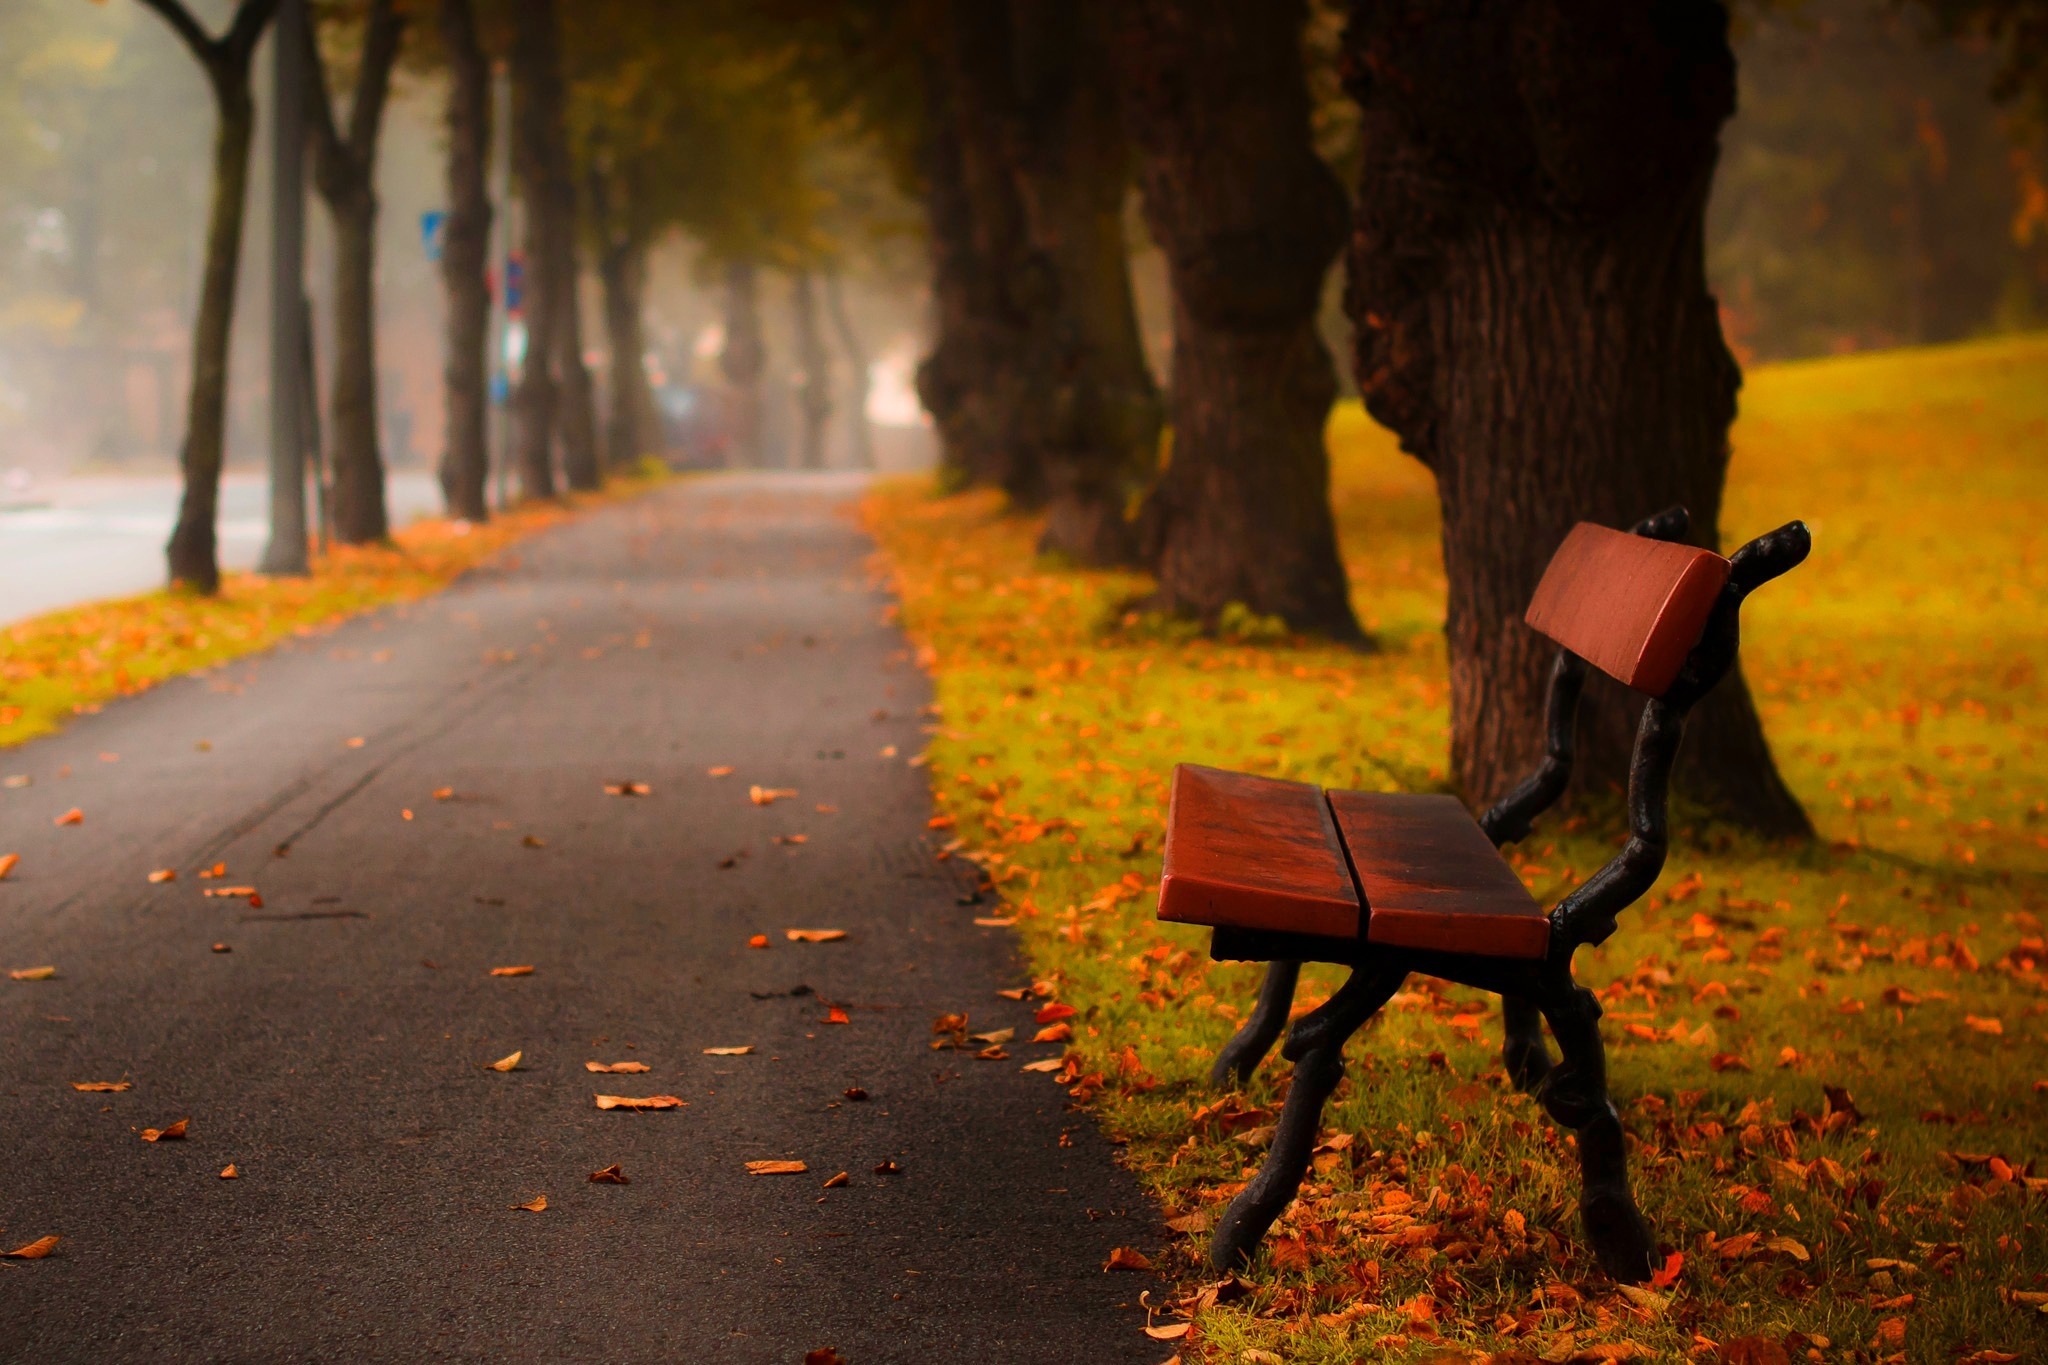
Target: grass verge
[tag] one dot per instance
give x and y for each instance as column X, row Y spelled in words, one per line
column 1899, row 960
column 72, row 661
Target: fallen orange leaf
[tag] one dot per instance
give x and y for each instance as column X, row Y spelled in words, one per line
column 888, row 1168
column 1054, row 1033
column 1172, row 1331
column 1126, row 1258
column 728, row 1051
column 768, row 796
column 164, row 874
column 824, row 1355
column 512, row 971
column 102, row 1087
column 507, row 1063
column 533, row 841
column 1991, row 1026
column 222, row 948
column 836, row 1181
column 610, row 1175
column 1049, row 1064
column 815, row 935
column 36, row 1250
column 722, row 770
column 1667, row 1275
column 173, row 1133
column 776, row 1167
column 537, row 1204
column 758, row 941
column 74, row 816
column 995, row 921
column 444, row 793
column 354, row 743
column 639, row 1102
column 792, row 839
column 836, row 1016
column 1016, row 994
column 1053, row 1013
column 228, row 1172
column 33, row 973
column 627, row 789
column 10, row 861
column 616, row 1068
column 217, row 870
column 229, row 891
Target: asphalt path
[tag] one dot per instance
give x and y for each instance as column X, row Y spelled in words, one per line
column 337, row 1053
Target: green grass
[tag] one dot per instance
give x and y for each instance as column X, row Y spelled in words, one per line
column 1899, row 672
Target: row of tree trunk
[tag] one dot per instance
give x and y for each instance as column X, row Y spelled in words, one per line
column 1526, row 287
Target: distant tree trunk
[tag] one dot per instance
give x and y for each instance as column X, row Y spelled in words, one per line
column 743, row 360
column 814, row 370
column 860, row 439
column 1529, row 293
column 1091, row 405
column 536, row 122
column 1250, row 220
column 633, row 428
column 578, row 412
column 345, row 170
column 945, row 376
column 465, row 255
column 192, row 551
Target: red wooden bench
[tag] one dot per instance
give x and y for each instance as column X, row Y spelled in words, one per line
column 1389, row 883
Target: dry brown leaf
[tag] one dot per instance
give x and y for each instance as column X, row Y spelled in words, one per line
column 1001, row 1035
column 228, row 1172
column 102, row 1087
column 507, row 1063
column 33, row 973
column 1017, row 993
column 171, row 1134
column 768, row 796
column 610, row 1175
column 776, row 1168
column 1171, row 1331
column 34, row 1251
column 229, row 891
column 1790, row 1246
column 74, row 816
column 646, row 1102
column 888, row 1168
column 824, row 1355
column 836, row 1181
column 533, row 841
column 537, row 1204
column 792, row 839
column 222, row 948
column 512, row 971
column 1190, row 1222
column 627, row 789
column 1049, row 1064
column 992, row 1054
column 728, row 1051
column 855, row 1094
column 995, row 921
column 162, row 874
column 1126, row 1258
column 10, row 861
column 824, row 809
column 815, row 935
column 722, row 770
column 616, row 1068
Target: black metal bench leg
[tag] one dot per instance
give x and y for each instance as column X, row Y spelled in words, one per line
column 1524, row 1053
column 1575, row 1094
column 1249, row 1045
column 1318, row 1066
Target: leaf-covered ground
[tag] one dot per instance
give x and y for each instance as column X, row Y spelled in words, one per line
column 1900, row 960
column 54, row 666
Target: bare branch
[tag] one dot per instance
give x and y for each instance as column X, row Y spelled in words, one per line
column 373, row 78
column 173, row 12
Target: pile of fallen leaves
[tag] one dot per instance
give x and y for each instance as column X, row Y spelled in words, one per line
column 1828, row 1060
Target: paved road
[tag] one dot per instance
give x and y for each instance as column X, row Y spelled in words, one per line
column 80, row 540
column 335, row 1054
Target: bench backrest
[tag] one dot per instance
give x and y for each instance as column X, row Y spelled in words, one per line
column 1630, row 606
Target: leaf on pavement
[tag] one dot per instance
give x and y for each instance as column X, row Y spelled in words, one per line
column 626, row 789
column 824, row 1355
column 758, row 941
column 1001, row 1035
column 10, row 861
column 175, row 1132
column 1054, row 1012
column 33, row 973
column 1126, row 1258
column 217, row 870
column 507, row 1063
column 229, row 891
column 631, row 1102
column 610, row 1175
column 843, row 1178
column 1169, row 1331
column 164, row 874
column 815, row 935
column 512, row 971
column 992, row 1054
column 1016, row 993
column 533, row 841
column 102, row 1087
column 34, row 1251
column 1049, row 1064
column 722, row 770
column 995, row 921
column 768, row 796
column 616, row 1068
column 888, row 1168
column 792, row 839
column 74, row 816
column 228, row 1172
column 728, row 1051
column 537, row 1204
column 444, row 793
column 854, row 1093
column 835, row 1016
column 1054, row 1033
column 776, row 1168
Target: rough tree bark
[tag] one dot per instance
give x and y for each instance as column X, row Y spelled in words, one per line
column 743, row 361
column 465, row 256
column 814, row 371
column 345, row 172
column 537, row 100
column 192, row 552
column 1529, row 293
column 1250, row 220
column 860, row 440
column 1090, row 411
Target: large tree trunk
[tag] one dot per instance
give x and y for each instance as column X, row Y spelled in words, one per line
column 1528, row 288
column 345, row 170
column 578, row 412
column 1090, row 403
column 1250, row 220
column 742, row 362
column 536, row 120
column 814, row 371
column 860, row 440
column 465, row 256
column 633, row 428
column 193, row 551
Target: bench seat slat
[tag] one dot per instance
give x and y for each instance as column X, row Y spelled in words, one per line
column 1432, row 879
column 1254, row 853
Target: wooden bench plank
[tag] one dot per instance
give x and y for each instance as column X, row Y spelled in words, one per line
column 1254, row 853
column 1432, row 879
column 1630, row 606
